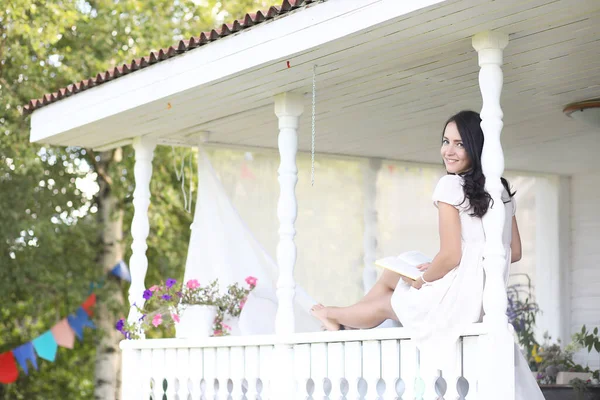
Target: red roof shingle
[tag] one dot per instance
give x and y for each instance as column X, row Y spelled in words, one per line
column 154, row 57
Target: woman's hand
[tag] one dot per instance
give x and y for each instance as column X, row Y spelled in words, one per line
column 417, row 284
column 423, row 267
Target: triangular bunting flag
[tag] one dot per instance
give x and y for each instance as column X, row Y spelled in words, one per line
column 25, row 353
column 45, row 346
column 121, row 271
column 63, row 334
column 79, row 321
column 89, row 303
column 8, row 368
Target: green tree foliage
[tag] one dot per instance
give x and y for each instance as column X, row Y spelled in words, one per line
column 49, row 247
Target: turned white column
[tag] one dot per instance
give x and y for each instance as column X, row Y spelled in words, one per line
column 140, row 225
column 288, row 108
column 498, row 344
column 370, row 169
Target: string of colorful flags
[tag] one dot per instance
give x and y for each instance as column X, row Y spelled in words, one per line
column 62, row 334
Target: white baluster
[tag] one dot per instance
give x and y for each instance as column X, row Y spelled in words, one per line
column 335, row 369
column 223, row 371
column 499, row 341
column 353, row 356
column 288, row 108
column 266, row 358
column 370, row 169
column 301, row 369
column 252, row 371
column 196, row 373
column 237, row 365
column 390, row 365
column 171, row 373
column 130, row 376
column 371, row 366
column 318, row 369
column 140, row 225
column 183, row 373
column 408, row 367
column 210, row 372
column 158, row 373
column 470, row 364
column 145, row 373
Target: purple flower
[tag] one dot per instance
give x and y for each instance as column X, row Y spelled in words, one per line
column 147, row 294
column 179, row 294
column 166, row 297
column 120, row 325
column 142, row 317
column 170, row 282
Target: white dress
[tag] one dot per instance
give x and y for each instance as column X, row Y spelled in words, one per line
column 436, row 311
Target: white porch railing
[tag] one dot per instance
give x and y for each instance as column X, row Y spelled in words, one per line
column 366, row 364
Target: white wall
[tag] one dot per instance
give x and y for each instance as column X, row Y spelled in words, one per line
column 585, row 258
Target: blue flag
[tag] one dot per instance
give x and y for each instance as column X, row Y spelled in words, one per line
column 79, row 321
column 121, row 271
column 23, row 353
column 45, row 346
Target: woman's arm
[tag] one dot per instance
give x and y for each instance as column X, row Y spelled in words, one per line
column 450, row 244
column 515, row 242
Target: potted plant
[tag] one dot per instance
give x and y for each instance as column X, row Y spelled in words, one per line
column 522, row 313
column 194, row 310
column 581, row 340
column 230, row 307
column 197, row 309
column 160, row 309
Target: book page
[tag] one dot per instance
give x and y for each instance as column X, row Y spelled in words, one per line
column 414, row 258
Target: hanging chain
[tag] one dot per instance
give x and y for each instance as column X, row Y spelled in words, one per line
column 314, row 103
column 180, row 174
column 189, row 209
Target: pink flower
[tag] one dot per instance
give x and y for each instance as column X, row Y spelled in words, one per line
column 243, row 302
column 251, row 281
column 226, row 327
column 157, row 320
column 217, row 333
column 154, row 288
column 192, row 284
column 175, row 317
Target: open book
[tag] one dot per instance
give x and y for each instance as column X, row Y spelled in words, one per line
column 405, row 264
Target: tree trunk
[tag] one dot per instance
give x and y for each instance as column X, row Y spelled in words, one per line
column 110, row 215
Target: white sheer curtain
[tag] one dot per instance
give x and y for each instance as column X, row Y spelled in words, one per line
column 330, row 215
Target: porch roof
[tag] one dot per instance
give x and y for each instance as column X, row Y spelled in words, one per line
column 388, row 74
column 248, row 21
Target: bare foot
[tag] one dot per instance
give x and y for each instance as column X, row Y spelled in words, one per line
column 319, row 311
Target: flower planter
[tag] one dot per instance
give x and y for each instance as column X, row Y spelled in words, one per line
column 563, row 378
column 196, row 321
column 566, row 392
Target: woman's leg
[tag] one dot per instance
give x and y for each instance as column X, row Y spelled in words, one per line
column 369, row 312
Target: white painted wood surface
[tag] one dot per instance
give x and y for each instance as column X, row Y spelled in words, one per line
column 247, row 50
column 140, row 225
column 251, row 371
column 288, row 107
column 377, row 81
column 370, row 169
column 548, row 275
column 196, row 372
column 327, row 369
column 499, row 342
column 585, row 273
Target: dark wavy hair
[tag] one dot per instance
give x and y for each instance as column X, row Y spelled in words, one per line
column 471, row 134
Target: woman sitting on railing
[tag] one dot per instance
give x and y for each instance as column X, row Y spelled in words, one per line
column 449, row 293
column 450, row 289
